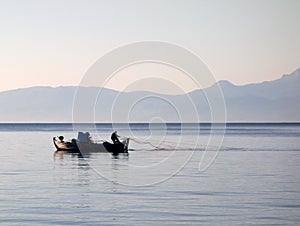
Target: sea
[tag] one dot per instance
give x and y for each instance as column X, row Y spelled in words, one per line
column 174, row 174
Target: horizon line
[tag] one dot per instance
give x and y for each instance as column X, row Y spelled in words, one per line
column 232, row 122
column 222, row 80
column 76, row 86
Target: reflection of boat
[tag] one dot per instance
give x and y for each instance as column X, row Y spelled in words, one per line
column 84, row 144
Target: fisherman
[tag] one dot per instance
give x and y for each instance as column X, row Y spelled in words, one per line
column 61, row 138
column 114, row 137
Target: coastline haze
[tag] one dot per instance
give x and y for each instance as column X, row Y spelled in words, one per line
column 273, row 101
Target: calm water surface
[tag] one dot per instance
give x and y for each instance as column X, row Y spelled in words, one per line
column 255, row 178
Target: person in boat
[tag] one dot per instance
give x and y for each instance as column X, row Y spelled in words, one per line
column 89, row 138
column 84, row 137
column 114, row 138
column 61, row 138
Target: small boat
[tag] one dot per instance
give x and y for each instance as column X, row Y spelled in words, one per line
column 84, row 144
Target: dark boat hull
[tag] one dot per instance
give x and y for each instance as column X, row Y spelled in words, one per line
column 65, row 146
column 85, row 147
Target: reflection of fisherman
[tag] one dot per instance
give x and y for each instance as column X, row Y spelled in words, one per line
column 114, row 137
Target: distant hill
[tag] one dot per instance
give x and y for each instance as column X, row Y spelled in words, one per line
column 277, row 100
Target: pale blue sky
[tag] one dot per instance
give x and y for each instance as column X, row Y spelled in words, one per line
column 55, row 42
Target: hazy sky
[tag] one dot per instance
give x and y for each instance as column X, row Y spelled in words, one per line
column 55, row 42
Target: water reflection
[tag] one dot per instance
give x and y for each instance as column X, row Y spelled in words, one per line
column 61, row 154
column 71, row 169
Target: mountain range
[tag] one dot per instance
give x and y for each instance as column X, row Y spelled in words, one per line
column 269, row 101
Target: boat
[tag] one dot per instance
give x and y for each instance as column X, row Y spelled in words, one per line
column 84, row 144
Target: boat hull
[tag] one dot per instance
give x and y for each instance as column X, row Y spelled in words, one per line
column 65, row 146
column 87, row 147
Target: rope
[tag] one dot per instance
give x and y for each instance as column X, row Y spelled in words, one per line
column 174, row 145
column 165, row 145
column 144, row 142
